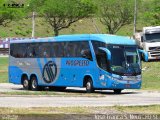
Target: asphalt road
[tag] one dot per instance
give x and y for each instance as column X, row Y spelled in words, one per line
column 127, row 98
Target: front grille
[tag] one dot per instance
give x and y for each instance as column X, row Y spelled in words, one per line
column 155, row 55
column 156, row 52
column 155, row 48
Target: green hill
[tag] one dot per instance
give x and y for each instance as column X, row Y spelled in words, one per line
column 23, row 28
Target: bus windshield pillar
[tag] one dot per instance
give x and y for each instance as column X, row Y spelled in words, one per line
column 107, row 52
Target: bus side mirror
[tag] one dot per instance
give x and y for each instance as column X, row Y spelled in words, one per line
column 145, row 55
column 107, row 52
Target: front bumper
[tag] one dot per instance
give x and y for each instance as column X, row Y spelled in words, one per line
column 121, row 82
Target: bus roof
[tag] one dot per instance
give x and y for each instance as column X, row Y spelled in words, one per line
column 109, row 39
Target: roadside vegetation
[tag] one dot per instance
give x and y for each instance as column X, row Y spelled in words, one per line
column 150, row 75
column 152, row 109
column 65, row 17
column 65, row 93
column 3, row 69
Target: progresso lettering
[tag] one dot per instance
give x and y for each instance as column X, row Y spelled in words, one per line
column 77, row 62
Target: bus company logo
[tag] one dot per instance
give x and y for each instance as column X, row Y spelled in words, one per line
column 77, row 62
column 49, row 72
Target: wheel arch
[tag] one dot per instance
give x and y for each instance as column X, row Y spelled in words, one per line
column 33, row 75
column 86, row 77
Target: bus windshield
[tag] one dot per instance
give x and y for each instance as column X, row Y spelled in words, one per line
column 124, row 60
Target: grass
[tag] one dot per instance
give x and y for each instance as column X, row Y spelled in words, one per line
column 3, row 69
column 152, row 109
column 80, row 113
column 23, row 28
column 151, row 76
column 50, row 93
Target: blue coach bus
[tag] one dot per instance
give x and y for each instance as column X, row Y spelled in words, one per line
column 93, row 61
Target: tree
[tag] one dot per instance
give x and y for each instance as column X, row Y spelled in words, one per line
column 114, row 14
column 61, row 14
column 7, row 14
column 151, row 12
column 34, row 5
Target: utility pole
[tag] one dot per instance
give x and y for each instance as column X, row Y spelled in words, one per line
column 33, row 24
column 135, row 16
column 95, row 25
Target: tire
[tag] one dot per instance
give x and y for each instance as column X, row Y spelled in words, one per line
column 26, row 84
column 117, row 91
column 34, row 84
column 89, row 86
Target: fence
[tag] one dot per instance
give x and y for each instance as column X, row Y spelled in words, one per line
column 4, row 51
column 4, row 44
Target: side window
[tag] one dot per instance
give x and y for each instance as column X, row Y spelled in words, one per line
column 66, row 49
column 97, row 44
column 69, row 49
column 22, row 50
column 32, row 50
column 57, row 49
column 12, row 50
column 72, row 49
column 18, row 50
column 101, row 59
column 85, row 50
column 100, row 55
column 61, row 49
column 45, row 50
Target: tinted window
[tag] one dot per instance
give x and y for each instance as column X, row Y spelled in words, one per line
column 70, row 49
column 100, row 55
column 18, row 50
column 45, row 50
column 85, row 50
column 77, row 49
column 97, row 44
column 32, row 50
column 54, row 49
column 101, row 59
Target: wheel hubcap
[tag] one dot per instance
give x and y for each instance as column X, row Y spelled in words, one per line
column 34, row 84
column 88, row 86
column 25, row 83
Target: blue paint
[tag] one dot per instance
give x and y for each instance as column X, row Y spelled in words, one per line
column 109, row 39
column 71, row 71
column 15, row 74
column 40, row 65
column 144, row 53
column 107, row 51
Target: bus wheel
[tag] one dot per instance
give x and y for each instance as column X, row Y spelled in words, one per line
column 89, row 86
column 34, row 84
column 26, row 83
column 117, row 91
